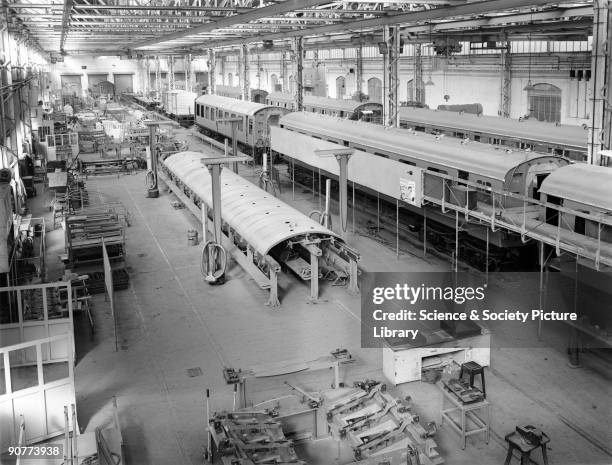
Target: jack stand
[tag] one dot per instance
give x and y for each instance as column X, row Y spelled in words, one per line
column 342, row 156
column 152, row 189
column 213, row 253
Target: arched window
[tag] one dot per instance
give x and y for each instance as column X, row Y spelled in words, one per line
column 545, row 102
column 230, row 79
column 291, row 84
column 415, row 93
column 375, row 90
column 273, row 82
column 340, row 87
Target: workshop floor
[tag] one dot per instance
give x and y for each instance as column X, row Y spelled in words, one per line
column 170, row 321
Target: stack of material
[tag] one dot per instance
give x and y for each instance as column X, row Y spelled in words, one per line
column 85, row 232
column 251, row 437
column 379, row 426
column 95, row 281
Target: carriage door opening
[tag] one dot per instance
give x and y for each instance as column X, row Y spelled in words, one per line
column 552, row 214
column 536, row 189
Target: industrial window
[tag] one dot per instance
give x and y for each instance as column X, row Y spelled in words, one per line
column 375, row 90
column 415, row 93
column 545, row 102
column 340, row 87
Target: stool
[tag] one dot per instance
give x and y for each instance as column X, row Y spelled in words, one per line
column 515, row 441
column 472, row 368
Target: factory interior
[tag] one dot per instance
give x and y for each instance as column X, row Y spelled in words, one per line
column 309, row 232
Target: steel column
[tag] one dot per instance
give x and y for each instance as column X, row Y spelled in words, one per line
column 284, row 72
column 359, row 70
column 244, row 73
column 418, row 74
column 506, row 81
column 390, row 78
column 298, row 51
column 598, row 133
column 211, row 71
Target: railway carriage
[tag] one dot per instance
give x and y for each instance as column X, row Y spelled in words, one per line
column 566, row 140
column 466, row 174
column 253, row 129
column 350, row 109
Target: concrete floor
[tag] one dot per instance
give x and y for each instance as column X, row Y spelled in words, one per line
column 171, row 321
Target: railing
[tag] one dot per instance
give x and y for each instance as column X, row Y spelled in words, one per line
column 491, row 209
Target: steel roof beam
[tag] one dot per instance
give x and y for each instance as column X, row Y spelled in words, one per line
column 253, row 15
column 81, row 6
column 474, row 8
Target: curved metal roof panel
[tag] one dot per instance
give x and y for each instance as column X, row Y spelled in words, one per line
column 530, row 129
column 260, row 218
column 476, row 158
column 582, row 183
column 231, row 104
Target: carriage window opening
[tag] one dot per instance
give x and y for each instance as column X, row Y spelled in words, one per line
column 241, row 125
column 552, row 214
column 436, row 170
column 341, row 114
column 346, row 143
column 250, row 126
column 477, row 137
column 580, row 224
column 407, row 162
column 381, row 155
column 463, row 175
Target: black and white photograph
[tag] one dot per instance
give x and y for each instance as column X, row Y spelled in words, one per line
column 305, row 232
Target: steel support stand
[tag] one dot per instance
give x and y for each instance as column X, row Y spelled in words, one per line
column 153, row 191
column 342, row 156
